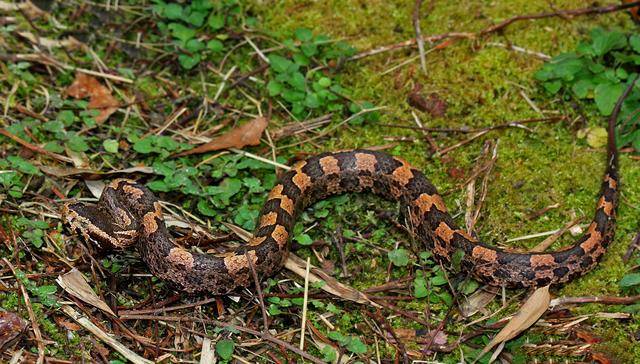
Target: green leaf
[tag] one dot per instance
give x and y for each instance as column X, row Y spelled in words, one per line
column 77, row 143
column 110, row 145
column 215, row 45
column 66, row 116
column 606, row 95
column 634, row 42
column 324, row 82
column 420, row 287
column 181, row 32
column 605, row 41
column 329, row 354
column 216, row 21
column 278, row 63
column 188, row 62
column 224, row 349
column 144, row 146
column 196, row 18
column 303, row 239
column 274, row 88
column 303, row 34
column 172, row 11
column 194, row 45
column 399, row 257
column 22, row 165
column 356, row 346
column 630, row 280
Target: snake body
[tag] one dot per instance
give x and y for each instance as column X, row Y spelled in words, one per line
column 128, row 213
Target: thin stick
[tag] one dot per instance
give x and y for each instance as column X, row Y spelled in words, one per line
column 106, row 338
column 551, row 239
column 605, row 300
column 35, row 148
column 261, row 159
column 304, row 304
column 32, row 316
column 259, row 290
column 419, row 39
column 262, row 335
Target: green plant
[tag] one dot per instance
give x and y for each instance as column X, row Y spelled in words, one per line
column 197, row 28
column 597, row 71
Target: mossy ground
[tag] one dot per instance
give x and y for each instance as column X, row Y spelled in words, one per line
column 482, row 86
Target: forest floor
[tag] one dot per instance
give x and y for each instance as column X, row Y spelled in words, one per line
column 93, row 91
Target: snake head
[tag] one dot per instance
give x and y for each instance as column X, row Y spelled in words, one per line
column 99, row 227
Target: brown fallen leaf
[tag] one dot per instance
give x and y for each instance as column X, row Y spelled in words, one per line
column 238, row 137
column 100, row 97
column 432, row 103
column 11, row 327
column 75, row 284
column 528, row 314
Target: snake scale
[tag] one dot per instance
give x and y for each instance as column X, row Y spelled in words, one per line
column 128, row 213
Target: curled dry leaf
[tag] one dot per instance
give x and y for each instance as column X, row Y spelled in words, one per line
column 238, row 137
column 528, row 314
column 100, row 97
column 75, row 284
column 431, row 103
column 11, row 327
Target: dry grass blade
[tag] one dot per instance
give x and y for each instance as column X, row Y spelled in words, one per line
column 76, row 285
column 298, row 266
column 528, row 314
column 238, row 137
column 208, row 354
column 106, row 338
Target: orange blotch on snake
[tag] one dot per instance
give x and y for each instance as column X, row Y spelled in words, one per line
column 179, row 256
column 280, row 235
column 612, row 181
column 133, row 191
column 605, row 205
column 236, row 263
column 268, row 219
column 425, row 201
column 541, row 260
column 149, row 223
column 484, row 254
column 444, row 232
column 329, row 165
column 256, row 240
column 594, row 239
column 285, row 202
column 402, row 174
column 366, row 162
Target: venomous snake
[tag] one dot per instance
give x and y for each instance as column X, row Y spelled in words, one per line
column 128, row 213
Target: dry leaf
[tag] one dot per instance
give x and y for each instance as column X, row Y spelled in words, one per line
column 528, row 314
column 238, row 137
column 100, row 97
column 11, row 327
column 477, row 301
column 75, row 284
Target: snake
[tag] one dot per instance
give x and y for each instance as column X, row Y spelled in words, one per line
column 128, row 214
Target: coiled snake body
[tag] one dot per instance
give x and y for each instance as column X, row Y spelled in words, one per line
column 129, row 213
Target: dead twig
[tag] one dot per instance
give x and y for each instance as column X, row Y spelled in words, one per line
column 419, row 39
column 32, row 316
column 263, row 335
column 498, row 27
column 35, row 148
column 259, row 290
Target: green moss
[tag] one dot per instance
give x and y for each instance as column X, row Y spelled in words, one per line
column 482, row 86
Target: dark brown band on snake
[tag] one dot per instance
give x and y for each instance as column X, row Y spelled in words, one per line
column 129, row 213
